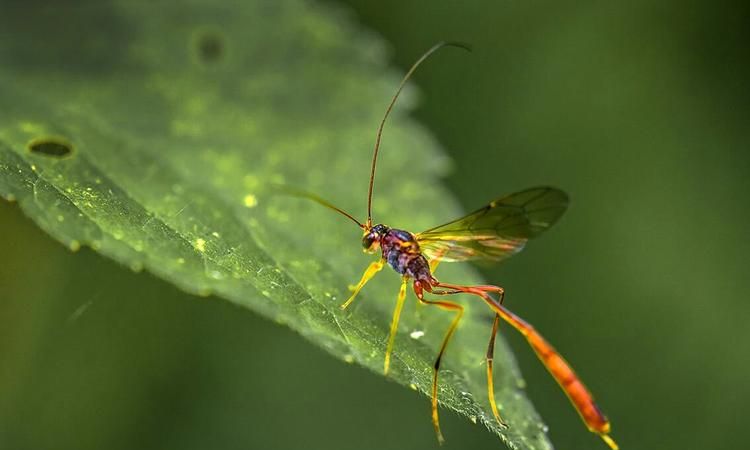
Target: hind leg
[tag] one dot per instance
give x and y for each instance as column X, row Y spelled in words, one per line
column 560, row 370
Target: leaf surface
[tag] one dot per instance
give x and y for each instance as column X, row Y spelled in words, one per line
column 152, row 133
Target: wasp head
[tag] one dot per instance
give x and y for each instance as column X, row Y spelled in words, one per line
column 372, row 237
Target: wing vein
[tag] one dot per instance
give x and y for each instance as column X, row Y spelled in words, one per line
column 498, row 230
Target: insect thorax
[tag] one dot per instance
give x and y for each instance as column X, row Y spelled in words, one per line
column 401, row 251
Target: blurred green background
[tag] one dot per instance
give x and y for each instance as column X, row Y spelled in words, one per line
column 640, row 111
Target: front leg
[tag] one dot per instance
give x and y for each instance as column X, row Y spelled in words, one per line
column 372, row 269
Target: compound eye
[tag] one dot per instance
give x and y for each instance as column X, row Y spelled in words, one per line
column 367, row 242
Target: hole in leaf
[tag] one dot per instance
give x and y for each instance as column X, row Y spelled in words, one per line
column 210, row 47
column 54, row 147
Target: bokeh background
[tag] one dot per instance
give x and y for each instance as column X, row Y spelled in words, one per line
column 639, row 110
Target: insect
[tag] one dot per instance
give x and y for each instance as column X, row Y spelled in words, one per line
column 494, row 232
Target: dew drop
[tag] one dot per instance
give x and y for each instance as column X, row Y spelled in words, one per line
column 250, row 201
column 416, row 334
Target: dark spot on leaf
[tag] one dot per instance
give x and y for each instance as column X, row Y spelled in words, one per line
column 54, row 147
column 210, row 47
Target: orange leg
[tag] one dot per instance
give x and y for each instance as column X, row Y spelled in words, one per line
column 434, row 262
column 448, row 335
column 560, row 370
column 370, row 272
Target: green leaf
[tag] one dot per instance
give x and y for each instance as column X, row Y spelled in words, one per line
column 153, row 134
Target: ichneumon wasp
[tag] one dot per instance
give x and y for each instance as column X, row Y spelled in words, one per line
column 494, row 232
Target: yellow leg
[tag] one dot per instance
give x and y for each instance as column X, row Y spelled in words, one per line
column 490, row 384
column 394, row 325
column 454, row 324
column 372, row 269
column 609, row 441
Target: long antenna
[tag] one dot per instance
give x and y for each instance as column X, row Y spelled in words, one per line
column 303, row 194
column 429, row 52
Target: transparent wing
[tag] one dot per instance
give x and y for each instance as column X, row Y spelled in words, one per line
column 497, row 231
